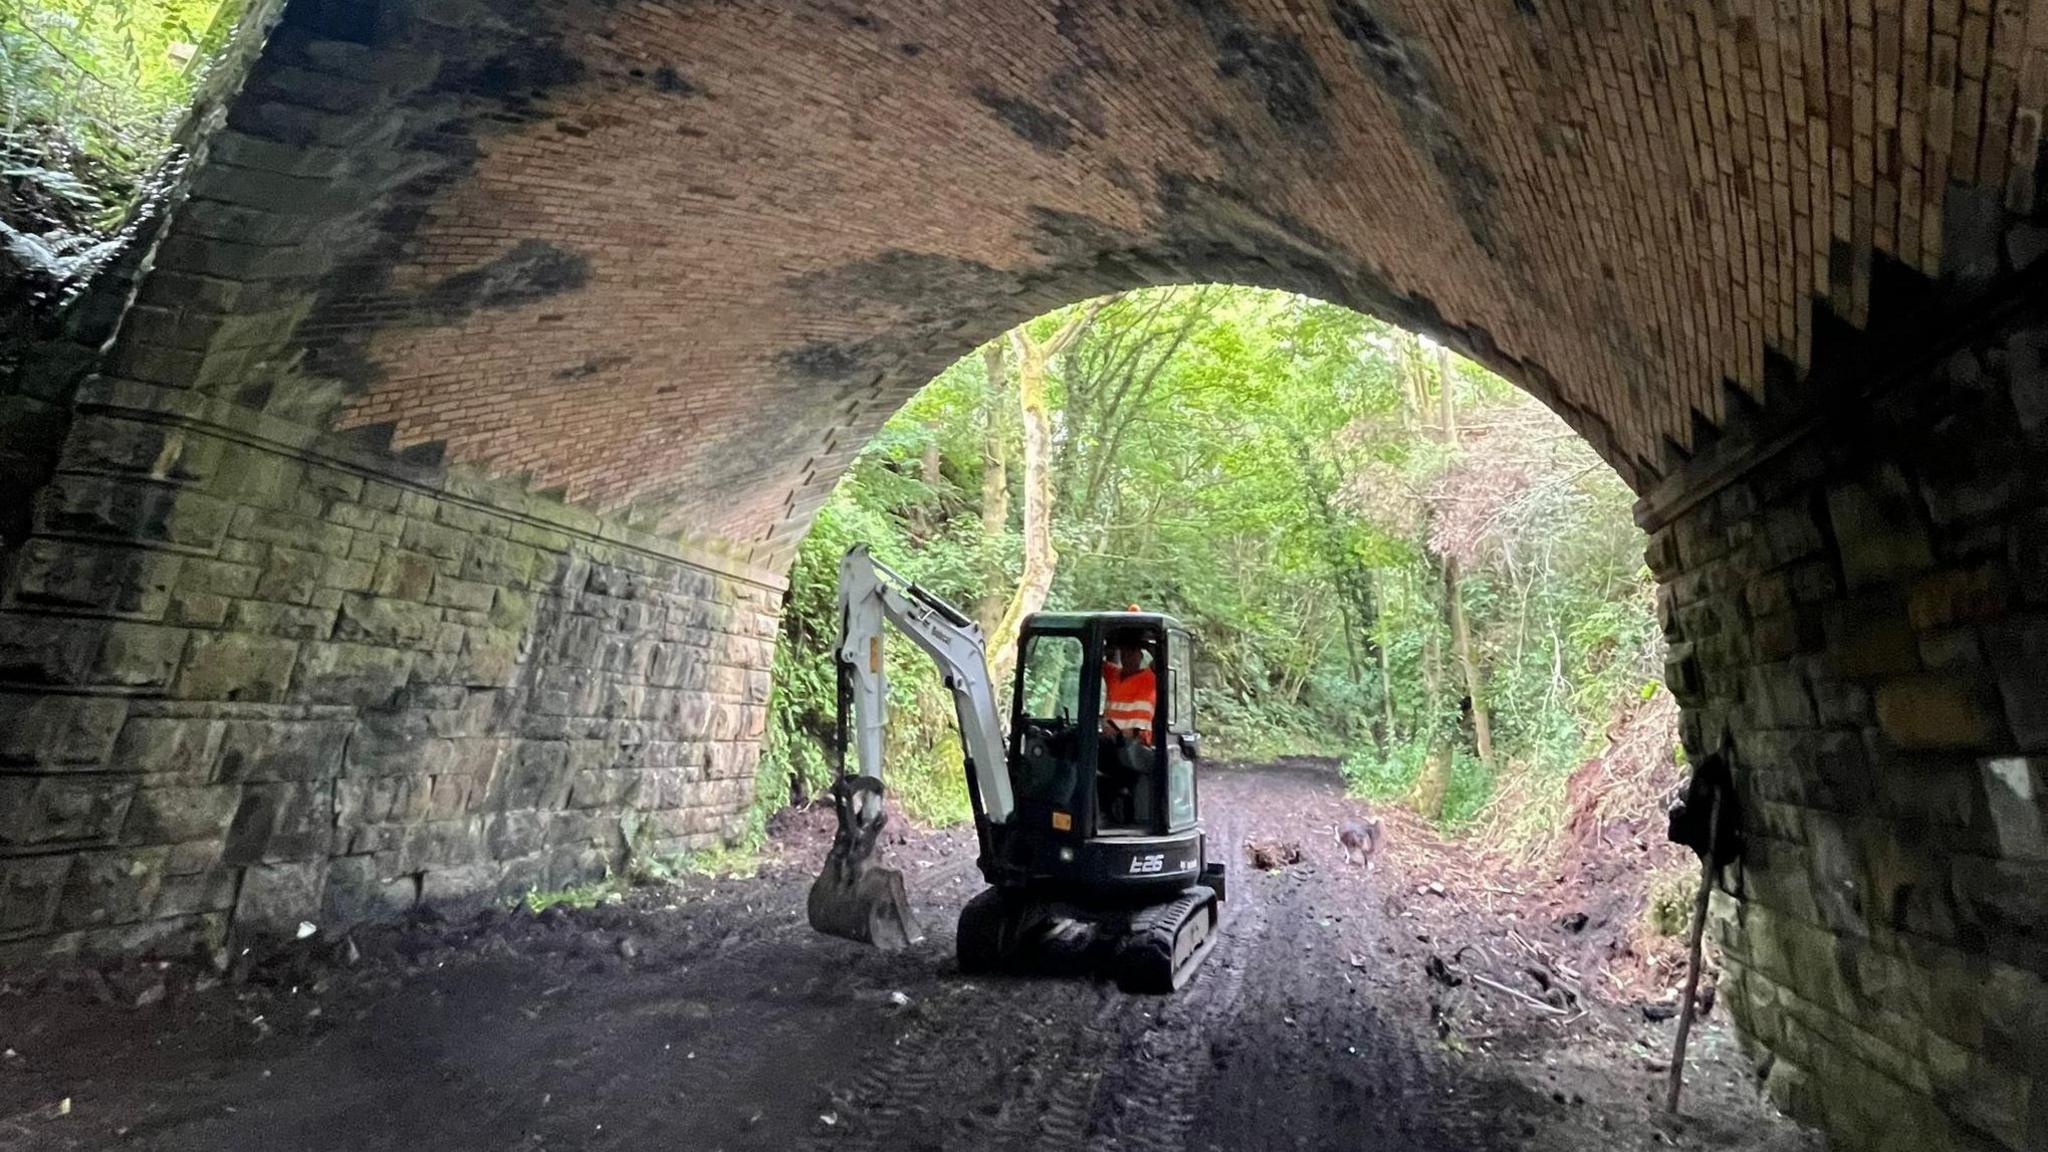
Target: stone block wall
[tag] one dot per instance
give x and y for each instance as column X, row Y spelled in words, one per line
column 1862, row 618
column 251, row 675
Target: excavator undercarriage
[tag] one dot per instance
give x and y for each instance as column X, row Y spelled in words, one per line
column 1150, row 948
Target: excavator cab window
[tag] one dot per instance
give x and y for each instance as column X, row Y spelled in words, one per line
column 1049, row 720
column 1182, row 742
column 1127, row 778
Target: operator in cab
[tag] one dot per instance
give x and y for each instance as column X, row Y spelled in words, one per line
column 1130, row 696
column 1130, row 692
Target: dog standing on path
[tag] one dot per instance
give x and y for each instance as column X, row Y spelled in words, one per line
column 1360, row 839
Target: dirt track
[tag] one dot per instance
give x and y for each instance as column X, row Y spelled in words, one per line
column 711, row 1018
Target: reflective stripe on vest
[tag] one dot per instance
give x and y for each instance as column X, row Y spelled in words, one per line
column 1132, row 699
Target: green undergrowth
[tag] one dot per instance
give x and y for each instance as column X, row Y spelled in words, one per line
column 737, row 860
column 606, row 891
column 1668, row 909
column 1397, row 777
column 90, row 94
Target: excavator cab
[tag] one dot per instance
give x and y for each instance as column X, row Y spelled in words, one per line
column 1085, row 766
column 1086, row 809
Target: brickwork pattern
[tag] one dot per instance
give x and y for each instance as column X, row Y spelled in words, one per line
column 418, row 539
column 681, row 259
column 243, row 680
column 1864, row 619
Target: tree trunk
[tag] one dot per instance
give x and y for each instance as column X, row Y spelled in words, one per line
column 995, row 483
column 1436, row 766
column 1034, row 583
column 1350, row 643
column 922, row 513
column 1446, row 397
column 1386, row 664
column 1454, row 601
column 1435, row 782
column 1461, row 640
column 1441, row 757
column 1414, row 387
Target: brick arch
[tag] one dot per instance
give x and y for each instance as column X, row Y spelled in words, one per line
column 664, row 258
column 421, row 534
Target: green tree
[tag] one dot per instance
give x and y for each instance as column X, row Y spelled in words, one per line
column 92, row 89
column 1274, row 471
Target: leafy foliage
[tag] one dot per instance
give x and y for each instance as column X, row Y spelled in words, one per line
column 1255, row 464
column 91, row 91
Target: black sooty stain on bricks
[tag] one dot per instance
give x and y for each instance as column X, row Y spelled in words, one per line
column 1274, row 63
column 532, row 270
column 1045, row 129
column 518, row 81
column 498, row 74
column 825, row 360
column 904, row 279
column 1070, row 23
column 1074, row 98
column 915, row 298
column 1064, row 236
column 1401, row 71
column 593, row 365
column 667, row 79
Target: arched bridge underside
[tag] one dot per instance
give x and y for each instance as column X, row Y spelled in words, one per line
column 418, row 533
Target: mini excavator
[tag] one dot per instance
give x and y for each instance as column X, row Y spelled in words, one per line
column 1089, row 833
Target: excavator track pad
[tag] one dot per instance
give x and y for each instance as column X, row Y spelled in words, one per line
column 1167, row 942
column 854, row 897
column 1152, row 950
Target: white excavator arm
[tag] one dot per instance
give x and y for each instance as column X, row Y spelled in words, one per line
column 852, row 897
column 871, row 593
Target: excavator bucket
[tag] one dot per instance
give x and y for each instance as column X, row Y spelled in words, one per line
column 854, row 897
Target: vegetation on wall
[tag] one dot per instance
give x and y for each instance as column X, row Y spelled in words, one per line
column 90, row 93
column 1387, row 554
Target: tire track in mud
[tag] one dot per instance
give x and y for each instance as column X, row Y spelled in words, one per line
column 1068, row 1105
column 892, row 1087
column 1146, row 1099
column 914, row 1096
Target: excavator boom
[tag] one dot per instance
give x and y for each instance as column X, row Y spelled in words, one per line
column 855, row 897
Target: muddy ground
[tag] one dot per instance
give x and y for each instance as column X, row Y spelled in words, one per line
column 707, row 1016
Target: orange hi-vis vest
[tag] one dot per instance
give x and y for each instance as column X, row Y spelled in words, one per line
column 1130, row 700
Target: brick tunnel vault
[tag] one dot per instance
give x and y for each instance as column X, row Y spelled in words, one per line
column 419, row 534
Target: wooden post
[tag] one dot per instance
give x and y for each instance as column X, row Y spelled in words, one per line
column 1692, row 973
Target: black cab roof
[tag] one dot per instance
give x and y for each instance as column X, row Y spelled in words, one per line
column 1108, row 621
